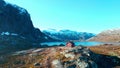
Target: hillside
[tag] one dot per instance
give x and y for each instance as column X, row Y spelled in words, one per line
column 107, row 36
column 66, row 35
column 14, row 19
column 59, row 57
column 16, row 29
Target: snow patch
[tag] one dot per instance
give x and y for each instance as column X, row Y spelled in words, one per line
column 14, row 34
column 22, row 37
column 111, row 31
column 8, row 33
column 2, row 33
column 5, row 33
column 22, row 10
column 37, row 50
column 46, row 37
column 52, row 31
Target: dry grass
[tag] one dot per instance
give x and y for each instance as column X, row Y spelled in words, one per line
column 45, row 58
column 47, row 55
column 106, row 49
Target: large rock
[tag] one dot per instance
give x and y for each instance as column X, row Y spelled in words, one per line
column 14, row 19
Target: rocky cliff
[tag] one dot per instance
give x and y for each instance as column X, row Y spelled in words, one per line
column 16, row 29
column 14, row 19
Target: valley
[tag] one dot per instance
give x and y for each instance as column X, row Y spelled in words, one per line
column 22, row 45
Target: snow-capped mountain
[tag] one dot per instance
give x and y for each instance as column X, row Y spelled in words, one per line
column 111, row 35
column 111, row 31
column 66, row 35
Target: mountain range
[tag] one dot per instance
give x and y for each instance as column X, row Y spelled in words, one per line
column 66, row 35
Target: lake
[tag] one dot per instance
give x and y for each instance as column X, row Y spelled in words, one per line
column 76, row 43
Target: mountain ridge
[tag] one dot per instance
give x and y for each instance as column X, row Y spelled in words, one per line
column 15, row 19
column 110, row 35
column 66, row 35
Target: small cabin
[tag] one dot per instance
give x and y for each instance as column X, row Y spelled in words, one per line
column 70, row 44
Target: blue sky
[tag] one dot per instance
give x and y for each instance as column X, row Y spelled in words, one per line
column 81, row 15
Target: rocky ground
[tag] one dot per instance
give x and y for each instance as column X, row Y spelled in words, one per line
column 110, row 52
column 107, row 49
column 64, row 57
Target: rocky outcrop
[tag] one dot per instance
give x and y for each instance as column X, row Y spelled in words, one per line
column 107, row 36
column 77, row 57
column 14, row 19
column 60, row 57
